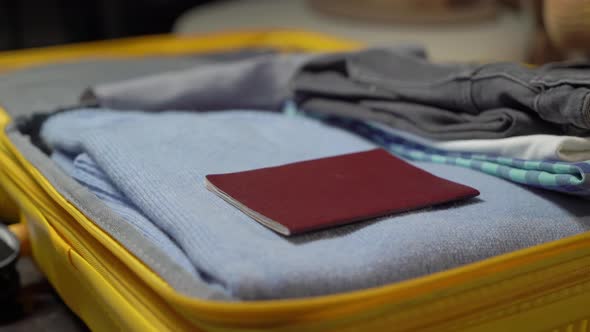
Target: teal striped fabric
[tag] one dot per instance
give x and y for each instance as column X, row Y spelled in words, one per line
column 564, row 177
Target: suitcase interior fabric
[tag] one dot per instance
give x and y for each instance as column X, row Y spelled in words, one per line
column 129, row 284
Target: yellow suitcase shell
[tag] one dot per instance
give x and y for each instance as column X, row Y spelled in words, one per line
column 543, row 288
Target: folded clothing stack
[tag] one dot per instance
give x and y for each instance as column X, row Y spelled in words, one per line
column 502, row 119
column 156, row 182
column 526, row 125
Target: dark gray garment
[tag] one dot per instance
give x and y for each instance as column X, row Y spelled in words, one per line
column 428, row 121
column 548, row 99
column 259, row 83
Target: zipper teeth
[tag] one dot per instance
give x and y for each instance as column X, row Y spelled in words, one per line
column 125, row 286
column 559, row 289
column 580, row 325
column 491, row 306
column 71, row 235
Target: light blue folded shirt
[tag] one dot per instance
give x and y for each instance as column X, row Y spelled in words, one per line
column 150, row 168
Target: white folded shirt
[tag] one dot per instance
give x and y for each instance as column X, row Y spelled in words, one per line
column 529, row 147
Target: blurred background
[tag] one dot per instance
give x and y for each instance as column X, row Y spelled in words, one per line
column 34, row 23
column 535, row 31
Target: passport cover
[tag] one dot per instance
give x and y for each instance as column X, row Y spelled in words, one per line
column 321, row 193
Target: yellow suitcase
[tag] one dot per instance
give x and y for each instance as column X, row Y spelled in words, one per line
column 542, row 288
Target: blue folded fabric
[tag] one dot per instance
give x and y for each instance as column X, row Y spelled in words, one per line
column 85, row 171
column 152, row 167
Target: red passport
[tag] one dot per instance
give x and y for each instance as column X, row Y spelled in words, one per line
column 315, row 194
